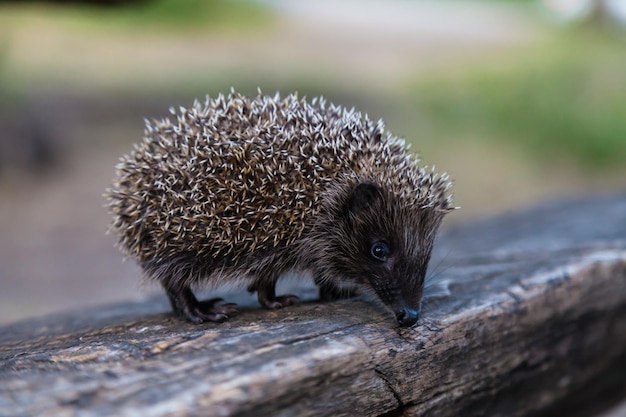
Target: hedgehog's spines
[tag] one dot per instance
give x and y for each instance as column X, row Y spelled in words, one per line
column 235, row 175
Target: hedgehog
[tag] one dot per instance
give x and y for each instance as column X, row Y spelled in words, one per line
column 245, row 189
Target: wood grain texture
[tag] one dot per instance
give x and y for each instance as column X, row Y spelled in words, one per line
column 526, row 316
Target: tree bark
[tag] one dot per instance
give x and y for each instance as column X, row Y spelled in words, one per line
column 524, row 315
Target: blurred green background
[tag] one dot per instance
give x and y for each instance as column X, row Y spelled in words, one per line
column 519, row 101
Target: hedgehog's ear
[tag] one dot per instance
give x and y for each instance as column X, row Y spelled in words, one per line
column 362, row 196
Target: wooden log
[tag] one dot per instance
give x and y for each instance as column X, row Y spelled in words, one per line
column 526, row 317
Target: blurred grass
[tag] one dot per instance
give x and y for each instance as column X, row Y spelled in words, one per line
column 562, row 99
column 175, row 16
column 206, row 14
column 566, row 99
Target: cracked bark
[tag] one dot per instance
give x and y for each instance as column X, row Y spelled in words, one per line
column 392, row 390
column 528, row 318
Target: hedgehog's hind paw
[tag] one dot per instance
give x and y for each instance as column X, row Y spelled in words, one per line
column 211, row 311
column 207, row 311
column 185, row 305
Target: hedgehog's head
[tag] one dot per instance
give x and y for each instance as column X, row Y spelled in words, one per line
column 383, row 244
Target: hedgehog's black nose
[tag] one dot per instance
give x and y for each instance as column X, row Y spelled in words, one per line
column 407, row 317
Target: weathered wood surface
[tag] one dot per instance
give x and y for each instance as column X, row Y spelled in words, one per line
column 526, row 316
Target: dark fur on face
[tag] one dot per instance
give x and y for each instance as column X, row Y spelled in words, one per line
column 381, row 246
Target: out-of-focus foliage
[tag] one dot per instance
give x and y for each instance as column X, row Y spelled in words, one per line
column 196, row 13
column 568, row 100
column 604, row 12
column 178, row 15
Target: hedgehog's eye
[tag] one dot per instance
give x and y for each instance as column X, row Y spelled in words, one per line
column 379, row 251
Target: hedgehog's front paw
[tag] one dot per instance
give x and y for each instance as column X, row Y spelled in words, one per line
column 280, row 301
column 266, row 293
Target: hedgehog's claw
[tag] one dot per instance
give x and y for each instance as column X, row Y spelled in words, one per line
column 187, row 306
column 207, row 311
column 211, row 307
column 268, row 299
column 219, row 318
column 283, row 301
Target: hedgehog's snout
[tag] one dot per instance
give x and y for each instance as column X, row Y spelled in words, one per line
column 407, row 317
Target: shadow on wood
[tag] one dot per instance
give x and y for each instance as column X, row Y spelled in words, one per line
column 527, row 317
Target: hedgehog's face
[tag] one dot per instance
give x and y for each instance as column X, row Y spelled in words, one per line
column 387, row 249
